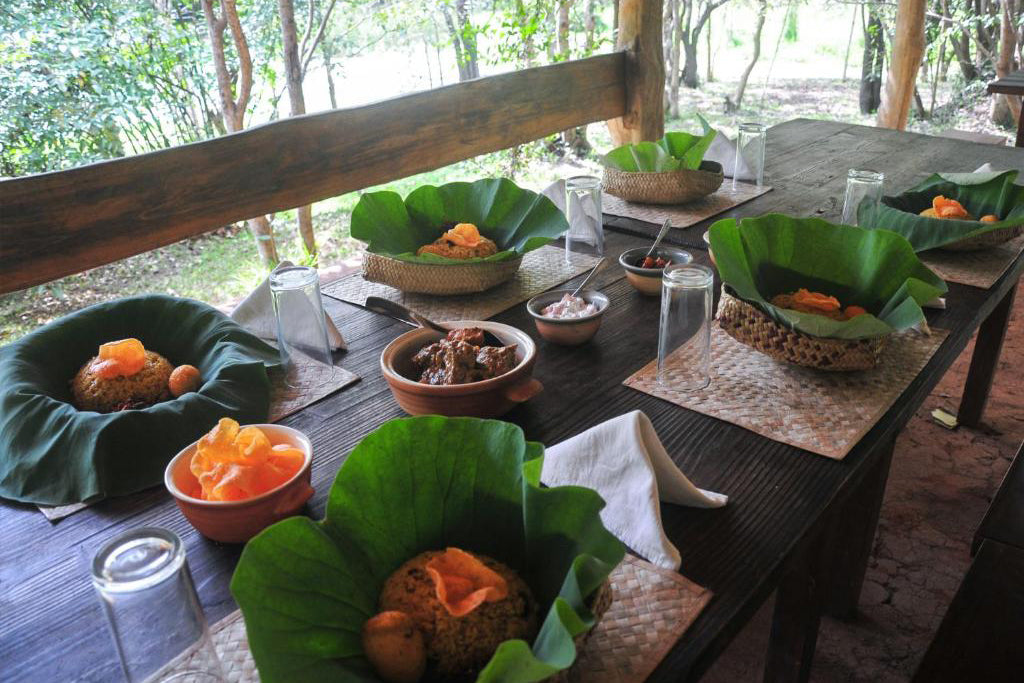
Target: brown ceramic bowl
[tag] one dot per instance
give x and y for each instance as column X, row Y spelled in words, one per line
column 711, row 254
column 567, row 331
column 238, row 521
column 489, row 398
column 648, row 280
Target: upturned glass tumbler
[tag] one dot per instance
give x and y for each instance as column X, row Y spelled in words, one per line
column 583, row 211
column 143, row 582
column 750, row 149
column 862, row 187
column 684, row 332
column 301, row 325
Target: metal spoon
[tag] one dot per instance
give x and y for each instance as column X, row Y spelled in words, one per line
column 661, row 236
column 397, row 310
column 593, row 272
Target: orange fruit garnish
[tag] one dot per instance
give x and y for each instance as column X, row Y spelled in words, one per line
column 232, row 463
column 990, row 219
column 119, row 359
column 463, row 582
column 853, row 311
column 463, row 235
column 949, row 208
column 183, row 379
column 817, row 300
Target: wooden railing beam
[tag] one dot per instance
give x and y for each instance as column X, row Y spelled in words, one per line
column 57, row 224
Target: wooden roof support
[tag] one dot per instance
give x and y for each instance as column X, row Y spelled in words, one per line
column 640, row 37
column 907, row 52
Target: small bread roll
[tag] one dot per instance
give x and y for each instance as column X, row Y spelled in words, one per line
column 395, row 647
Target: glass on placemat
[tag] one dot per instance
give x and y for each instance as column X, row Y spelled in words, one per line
column 158, row 626
column 684, row 332
column 750, row 151
column 861, row 187
column 583, row 211
column 301, row 327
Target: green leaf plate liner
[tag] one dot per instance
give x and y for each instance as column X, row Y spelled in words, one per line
column 981, row 194
column 51, row 453
column 517, row 219
column 674, row 152
column 759, row 258
column 415, row 484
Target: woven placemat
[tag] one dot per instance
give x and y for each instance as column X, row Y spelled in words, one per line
column 685, row 215
column 541, row 270
column 975, row 268
column 309, row 385
column 823, row 412
column 651, row 608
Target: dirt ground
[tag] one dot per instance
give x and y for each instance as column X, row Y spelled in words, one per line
column 940, row 486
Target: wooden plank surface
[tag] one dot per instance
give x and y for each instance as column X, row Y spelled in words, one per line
column 52, row 626
column 979, row 637
column 1004, row 520
column 56, row 224
column 1009, row 85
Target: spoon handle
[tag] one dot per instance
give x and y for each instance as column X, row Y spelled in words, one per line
column 661, row 236
column 592, row 273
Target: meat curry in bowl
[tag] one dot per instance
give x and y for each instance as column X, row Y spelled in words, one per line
column 430, row 374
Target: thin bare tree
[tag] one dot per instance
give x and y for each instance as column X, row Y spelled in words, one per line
column 741, row 87
column 234, row 97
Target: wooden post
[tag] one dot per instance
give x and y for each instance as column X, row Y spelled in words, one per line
column 639, row 36
column 907, row 52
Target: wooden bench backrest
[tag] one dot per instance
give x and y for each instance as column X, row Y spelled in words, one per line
column 65, row 222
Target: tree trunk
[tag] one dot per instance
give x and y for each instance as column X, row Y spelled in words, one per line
column 907, row 52
column 872, row 63
column 463, row 39
column 575, row 139
column 233, row 107
column 589, row 27
column 849, row 42
column 1006, row 110
column 709, row 75
column 691, row 78
column 673, row 65
column 297, row 101
column 762, row 14
column 329, row 67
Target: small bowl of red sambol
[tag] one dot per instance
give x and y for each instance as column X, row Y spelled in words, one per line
column 644, row 272
column 463, row 372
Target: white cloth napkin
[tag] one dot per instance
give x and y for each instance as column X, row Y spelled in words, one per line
column 256, row 314
column 587, row 216
column 623, row 460
column 723, row 150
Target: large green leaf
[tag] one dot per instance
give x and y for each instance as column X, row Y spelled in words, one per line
column 416, row 484
column 759, row 258
column 675, row 151
column 980, row 193
column 52, row 453
column 518, row 220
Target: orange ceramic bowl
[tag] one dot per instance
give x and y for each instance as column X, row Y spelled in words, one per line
column 711, row 254
column 567, row 331
column 237, row 521
column 648, row 280
column 489, row 398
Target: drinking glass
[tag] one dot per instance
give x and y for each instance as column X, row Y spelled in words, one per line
column 159, row 630
column 684, row 333
column 301, row 326
column 750, row 144
column 583, row 211
column 861, row 187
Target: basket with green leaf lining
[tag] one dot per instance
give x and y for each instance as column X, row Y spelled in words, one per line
column 759, row 258
column 415, row 484
column 981, row 194
column 516, row 219
column 669, row 171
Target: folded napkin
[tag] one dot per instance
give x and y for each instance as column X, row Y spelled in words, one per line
column 723, row 150
column 582, row 229
column 256, row 314
column 623, row 460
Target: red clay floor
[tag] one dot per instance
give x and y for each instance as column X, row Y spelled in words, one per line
column 939, row 488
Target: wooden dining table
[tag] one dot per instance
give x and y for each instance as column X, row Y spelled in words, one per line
column 796, row 523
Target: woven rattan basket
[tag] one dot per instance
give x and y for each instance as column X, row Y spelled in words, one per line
column 428, row 278
column 670, row 187
column 601, row 602
column 748, row 325
column 985, row 240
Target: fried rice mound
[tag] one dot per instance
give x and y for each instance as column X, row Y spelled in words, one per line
column 458, row 648
column 445, row 247
column 106, row 395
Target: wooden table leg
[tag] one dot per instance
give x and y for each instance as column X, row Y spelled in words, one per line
column 850, row 539
column 796, row 618
column 1020, row 129
column 984, row 361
